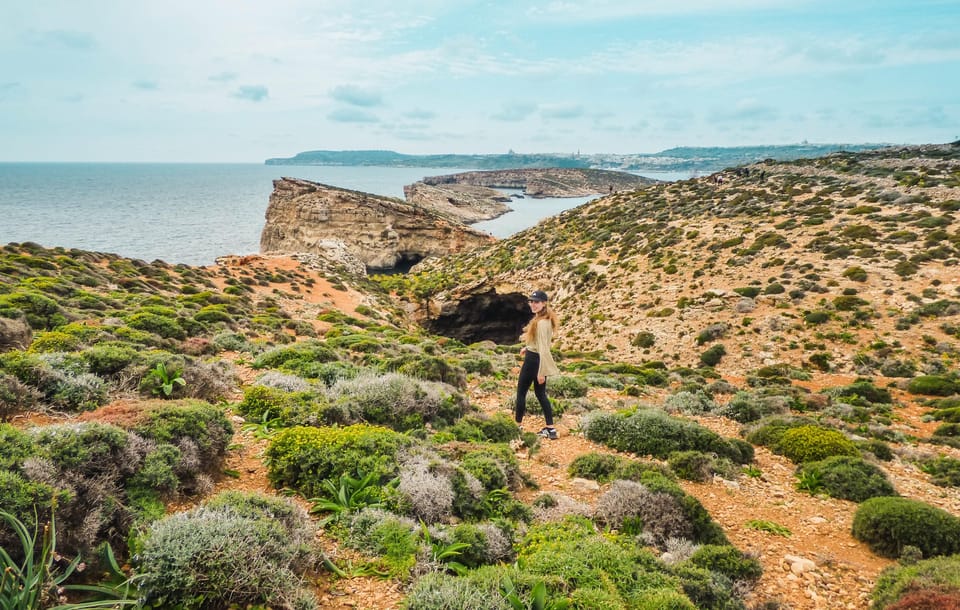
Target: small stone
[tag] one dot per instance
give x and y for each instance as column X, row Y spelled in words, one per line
column 817, row 520
column 585, row 484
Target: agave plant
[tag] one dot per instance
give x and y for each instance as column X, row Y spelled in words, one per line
column 37, row 580
column 351, row 494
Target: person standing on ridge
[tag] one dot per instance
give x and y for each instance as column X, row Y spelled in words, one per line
column 538, row 363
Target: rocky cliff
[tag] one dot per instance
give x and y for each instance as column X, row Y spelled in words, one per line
column 466, row 202
column 384, row 233
column 553, row 182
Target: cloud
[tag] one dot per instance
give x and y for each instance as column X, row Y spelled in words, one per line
column 352, row 115
column 71, row 39
column 223, row 77
column 252, row 93
column 514, row 111
column 145, row 85
column 562, row 111
column 356, row 96
column 746, row 110
column 420, row 114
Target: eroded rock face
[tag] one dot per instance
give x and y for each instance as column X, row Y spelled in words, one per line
column 467, row 203
column 383, row 232
column 550, row 182
column 14, row 334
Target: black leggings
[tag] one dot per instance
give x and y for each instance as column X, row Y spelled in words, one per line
column 528, row 375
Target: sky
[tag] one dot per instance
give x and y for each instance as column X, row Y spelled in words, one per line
column 243, row 80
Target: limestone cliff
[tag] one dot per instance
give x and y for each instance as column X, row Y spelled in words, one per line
column 466, row 202
column 552, row 182
column 383, row 232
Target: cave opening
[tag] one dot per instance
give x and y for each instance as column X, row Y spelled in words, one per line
column 483, row 317
column 404, row 263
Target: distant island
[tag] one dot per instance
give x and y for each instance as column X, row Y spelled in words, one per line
column 686, row 158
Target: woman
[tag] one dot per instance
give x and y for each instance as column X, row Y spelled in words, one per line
column 538, row 364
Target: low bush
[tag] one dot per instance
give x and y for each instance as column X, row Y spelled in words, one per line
column 497, row 429
column 938, row 577
column 236, row 550
column 567, row 386
column 848, row 478
column 302, row 458
column 943, row 470
column 689, row 403
column 712, row 355
column 397, row 401
column 652, row 432
column 304, row 359
column 769, row 430
column 727, row 560
column 699, row 466
column 606, row 467
column 890, row 524
column 812, row 443
column 933, row 385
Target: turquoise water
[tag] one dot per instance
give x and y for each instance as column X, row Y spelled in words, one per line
column 186, row 213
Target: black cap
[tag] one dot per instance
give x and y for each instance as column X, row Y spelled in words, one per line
column 538, row 295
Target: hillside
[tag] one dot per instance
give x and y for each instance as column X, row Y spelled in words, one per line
column 692, row 159
column 191, row 416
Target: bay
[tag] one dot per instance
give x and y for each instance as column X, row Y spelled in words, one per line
column 187, row 213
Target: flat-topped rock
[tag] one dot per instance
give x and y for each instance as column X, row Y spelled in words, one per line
column 383, row 232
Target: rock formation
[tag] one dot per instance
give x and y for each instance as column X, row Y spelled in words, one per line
column 383, row 232
column 552, row 182
column 466, row 202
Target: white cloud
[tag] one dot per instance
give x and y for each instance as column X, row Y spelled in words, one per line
column 356, row 96
column 252, row 93
column 352, row 115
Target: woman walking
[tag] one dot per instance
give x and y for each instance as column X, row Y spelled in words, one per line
column 538, row 363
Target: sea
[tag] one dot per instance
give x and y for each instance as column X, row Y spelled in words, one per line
column 192, row 213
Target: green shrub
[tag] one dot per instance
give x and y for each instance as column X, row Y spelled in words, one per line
column 848, row 303
column 566, row 386
column 15, row 396
column 54, row 341
column 165, row 326
column 890, row 524
column 727, row 560
column 652, row 432
column 644, row 339
column 857, row 274
column 606, row 467
column 695, row 465
column 302, row 458
column 943, row 470
column 939, row 574
column 109, row 358
column 202, row 425
column 746, row 407
column 223, row 555
column 661, row 599
column 303, row 359
column 712, row 355
column 848, row 478
column 398, row 401
column 497, row 429
column 769, row 430
column 878, row 448
column 812, row 443
column 933, row 385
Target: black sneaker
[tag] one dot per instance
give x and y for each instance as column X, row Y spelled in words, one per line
column 550, row 433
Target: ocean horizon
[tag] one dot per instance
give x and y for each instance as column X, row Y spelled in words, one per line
column 192, row 213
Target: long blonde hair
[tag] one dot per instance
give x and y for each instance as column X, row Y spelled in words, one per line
column 547, row 313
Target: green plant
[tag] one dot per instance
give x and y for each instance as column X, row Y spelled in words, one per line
column 727, row 560
column 164, row 381
column 444, row 552
column 538, row 598
column 769, row 526
column 350, row 495
column 38, row 580
column 939, row 574
column 811, row 443
column 889, row 524
column 933, row 385
column 846, row 477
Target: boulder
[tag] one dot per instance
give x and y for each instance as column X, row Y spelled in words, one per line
column 15, row 333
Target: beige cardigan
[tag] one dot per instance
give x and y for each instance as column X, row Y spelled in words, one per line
column 541, row 345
